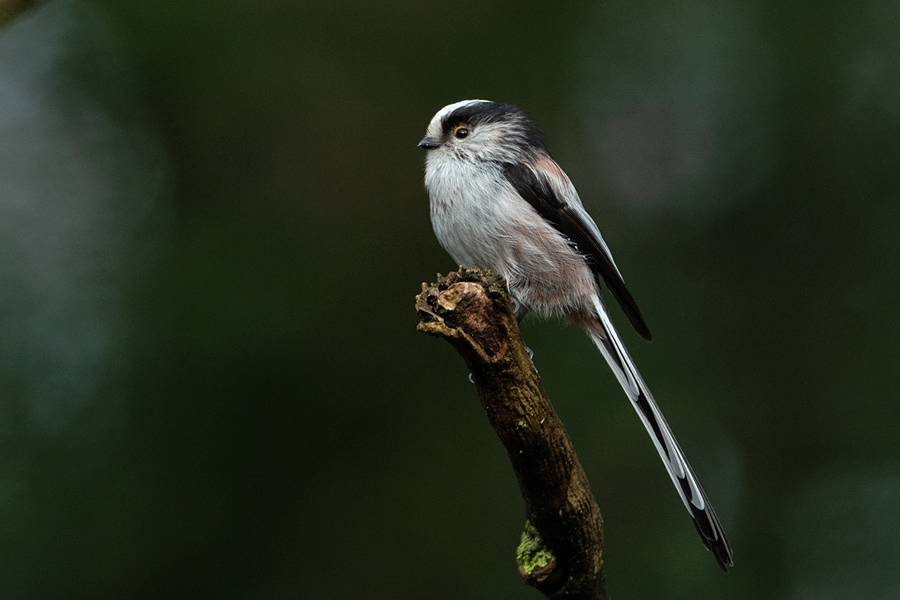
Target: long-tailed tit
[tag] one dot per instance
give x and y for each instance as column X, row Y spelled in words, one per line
column 500, row 202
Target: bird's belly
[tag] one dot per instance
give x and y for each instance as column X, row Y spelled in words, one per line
column 507, row 236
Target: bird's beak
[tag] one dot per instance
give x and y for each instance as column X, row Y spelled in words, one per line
column 429, row 144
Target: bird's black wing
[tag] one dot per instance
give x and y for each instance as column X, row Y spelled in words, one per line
column 538, row 191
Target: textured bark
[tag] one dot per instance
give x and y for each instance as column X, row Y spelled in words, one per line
column 472, row 310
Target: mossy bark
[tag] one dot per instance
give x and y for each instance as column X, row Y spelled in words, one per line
column 472, row 310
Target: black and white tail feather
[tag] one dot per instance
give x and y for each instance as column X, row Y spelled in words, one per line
column 499, row 201
column 705, row 520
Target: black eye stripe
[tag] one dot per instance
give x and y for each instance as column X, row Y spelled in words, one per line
column 520, row 129
column 479, row 112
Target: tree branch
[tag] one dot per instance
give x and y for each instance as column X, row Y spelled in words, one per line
column 562, row 546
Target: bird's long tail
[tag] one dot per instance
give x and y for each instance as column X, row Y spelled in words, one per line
column 707, row 523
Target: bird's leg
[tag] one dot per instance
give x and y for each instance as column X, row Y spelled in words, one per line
column 519, row 311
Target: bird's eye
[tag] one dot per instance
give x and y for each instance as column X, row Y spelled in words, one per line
column 460, row 131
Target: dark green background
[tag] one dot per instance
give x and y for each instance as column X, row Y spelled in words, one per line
column 213, row 225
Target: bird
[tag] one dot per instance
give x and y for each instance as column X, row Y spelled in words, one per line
column 499, row 201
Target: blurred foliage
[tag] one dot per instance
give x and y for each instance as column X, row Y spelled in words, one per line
column 212, row 226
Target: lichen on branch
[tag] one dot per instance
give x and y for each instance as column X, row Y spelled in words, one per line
column 472, row 310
